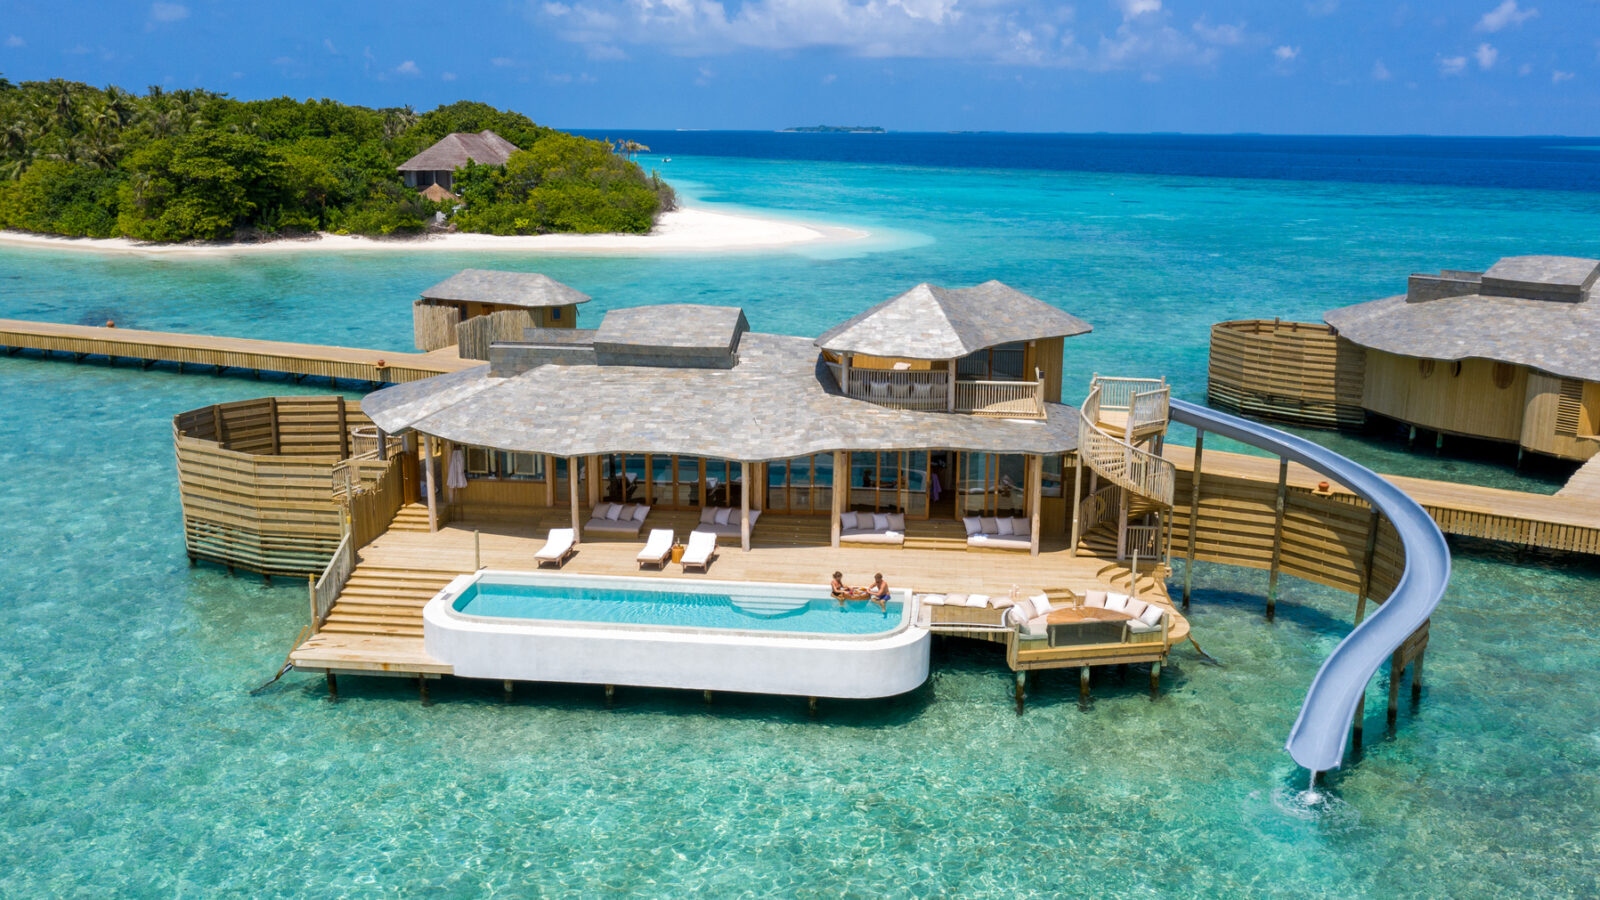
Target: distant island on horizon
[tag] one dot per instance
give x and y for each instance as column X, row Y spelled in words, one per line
column 836, row 129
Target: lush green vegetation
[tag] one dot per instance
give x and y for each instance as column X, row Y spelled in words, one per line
column 193, row 165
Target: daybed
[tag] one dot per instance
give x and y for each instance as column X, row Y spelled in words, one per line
column 1004, row 533
column 872, row 528
column 1149, row 622
column 617, row 518
column 723, row 521
column 976, row 611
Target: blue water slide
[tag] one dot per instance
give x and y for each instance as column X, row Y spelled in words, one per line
column 1322, row 731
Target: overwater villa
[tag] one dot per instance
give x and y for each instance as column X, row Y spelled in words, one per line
column 1505, row 355
column 663, row 500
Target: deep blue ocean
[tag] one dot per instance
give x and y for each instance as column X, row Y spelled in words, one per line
column 135, row 762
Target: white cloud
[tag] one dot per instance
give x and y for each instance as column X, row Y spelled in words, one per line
column 1486, row 56
column 168, row 12
column 1557, row 76
column 409, row 67
column 1225, row 35
column 1452, row 65
column 502, row 62
column 327, row 44
column 1285, row 53
column 829, row 78
column 1505, row 14
column 1380, row 72
column 1525, row 69
column 705, row 76
column 1322, row 7
column 447, row 76
column 605, row 52
column 1133, row 9
column 14, row 41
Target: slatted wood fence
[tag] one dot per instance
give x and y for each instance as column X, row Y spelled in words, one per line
column 1287, row 372
column 264, row 483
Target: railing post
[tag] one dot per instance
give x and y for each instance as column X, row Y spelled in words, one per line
column 311, row 586
column 1277, row 537
column 1194, row 512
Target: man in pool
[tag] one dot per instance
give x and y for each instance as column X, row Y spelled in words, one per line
column 879, row 591
column 843, row 592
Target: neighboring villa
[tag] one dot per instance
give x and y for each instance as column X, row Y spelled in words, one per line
column 433, row 170
column 1507, row 355
column 474, row 307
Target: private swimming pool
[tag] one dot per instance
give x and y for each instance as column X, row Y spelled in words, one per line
column 788, row 608
column 753, row 637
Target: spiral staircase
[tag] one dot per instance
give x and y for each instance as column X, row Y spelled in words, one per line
column 1127, row 507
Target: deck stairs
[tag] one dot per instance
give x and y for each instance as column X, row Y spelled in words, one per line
column 1122, row 425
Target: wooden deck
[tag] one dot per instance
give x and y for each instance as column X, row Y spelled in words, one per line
column 221, row 353
column 1568, row 520
column 375, row 626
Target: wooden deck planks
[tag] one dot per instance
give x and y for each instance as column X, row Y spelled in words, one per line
column 246, row 353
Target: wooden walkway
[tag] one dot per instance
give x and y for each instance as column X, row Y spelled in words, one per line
column 375, row 626
column 1584, row 484
column 1562, row 521
column 221, row 353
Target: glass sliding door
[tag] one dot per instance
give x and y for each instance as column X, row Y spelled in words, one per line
column 889, row 482
column 993, row 484
column 724, row 482
column 802, row 485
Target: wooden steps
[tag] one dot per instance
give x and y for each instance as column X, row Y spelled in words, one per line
column 385, row 601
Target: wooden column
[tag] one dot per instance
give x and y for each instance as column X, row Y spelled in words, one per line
column 272, row 411
column 427, row 475
column 383, row 439
column 1077, row 501
column 409, row 477
column 549, row 480
column 592, row 483
column 344, row 431
column 1122, row 522
column 950, row 393
column 572, row 489
column 844, row 373
column 1277, row 537
column 841, row 489
column 1035, row 491
column 744, row 513
column 1194, row 512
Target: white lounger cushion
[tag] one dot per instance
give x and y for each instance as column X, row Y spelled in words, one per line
column 1151, row 614
column 701, row 545
column 754, row 515
column 556, row 545
column 973, row 524
column 847, row 521
column 658, row 546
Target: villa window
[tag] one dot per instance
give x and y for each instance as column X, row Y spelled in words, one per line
column 1051, row 482
column 482, row 462
column 890, row 482
column 1005, row 362
column 724, row 481
column 992, row 484
column 802, row 485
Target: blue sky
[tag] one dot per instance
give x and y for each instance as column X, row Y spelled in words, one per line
column 1293, row 66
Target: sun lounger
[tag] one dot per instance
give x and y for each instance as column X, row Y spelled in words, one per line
column 658, row 549
column 701, row 550
column 557, row 547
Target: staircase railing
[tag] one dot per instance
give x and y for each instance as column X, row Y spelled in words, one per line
column 1119, row 462
column 326, row 589
column 1098, row 508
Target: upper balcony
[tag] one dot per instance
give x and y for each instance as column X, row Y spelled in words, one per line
column 940, row 390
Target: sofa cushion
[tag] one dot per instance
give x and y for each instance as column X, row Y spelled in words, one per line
column 1095, row 598
column 600, row 510
column 721, row 517
column 1036, row 627
column 972, row 523
column 1117, row 602
column 1002, row 602
column 880, row 522
column 847, row 521
column 616, row 511
column 990, row 525
column 754, row 515
column 1002, row 526
column 955, row 599
column 897, row 522
column 1137, row 627
column 1022, row 526
column 977, row 601
column 1151, row 614
column 1015, row 616
column 1134, row 607
column 932, row 599
column 1041, row 604
column 640, row 511
column 708, row 516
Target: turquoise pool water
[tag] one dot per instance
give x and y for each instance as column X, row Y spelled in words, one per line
column 792, row 609
column 136, row 763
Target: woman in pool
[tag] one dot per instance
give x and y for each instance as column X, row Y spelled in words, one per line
column 843, row 592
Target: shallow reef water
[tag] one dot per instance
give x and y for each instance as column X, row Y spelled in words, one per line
column 136, row 762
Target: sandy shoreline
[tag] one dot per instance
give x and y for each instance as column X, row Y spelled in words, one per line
column 680, row 231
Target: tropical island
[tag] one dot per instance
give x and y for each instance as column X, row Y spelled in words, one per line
column 194, row 165
column 836, row 129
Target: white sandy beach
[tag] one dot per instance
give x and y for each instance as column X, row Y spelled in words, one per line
column 680, row 231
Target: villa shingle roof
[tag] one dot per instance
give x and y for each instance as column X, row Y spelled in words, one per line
column 1558, row 336
column 529, row 290
column 777, row 401
column 455, row 150
column 933, row 323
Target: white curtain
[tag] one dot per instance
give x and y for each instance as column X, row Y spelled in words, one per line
column 458, row 470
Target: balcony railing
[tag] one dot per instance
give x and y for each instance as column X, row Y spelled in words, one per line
column 928, row 390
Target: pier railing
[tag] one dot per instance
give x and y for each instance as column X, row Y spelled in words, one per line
column 326, row 589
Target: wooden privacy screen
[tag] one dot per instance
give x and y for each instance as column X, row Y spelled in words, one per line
column 474, row 336
column 1325, row 538
column 264, row 482
column 1287, row 372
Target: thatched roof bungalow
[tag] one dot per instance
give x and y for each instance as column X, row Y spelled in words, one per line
column 437, row 164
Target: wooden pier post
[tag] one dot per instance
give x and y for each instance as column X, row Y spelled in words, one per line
column 422, row 690
column 707, row 695
column 1083, row 684
column 333, row 687
column 1155, row 679
column 505, row 690
column 1194, row 513
column 1360, row 719
column 1021, row 689
column 1277, row 537
column 811, row 706
column 1397, row 669
column 1416, row 678
column 611, row 695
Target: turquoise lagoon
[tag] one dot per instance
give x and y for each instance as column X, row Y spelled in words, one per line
column 135, row 762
